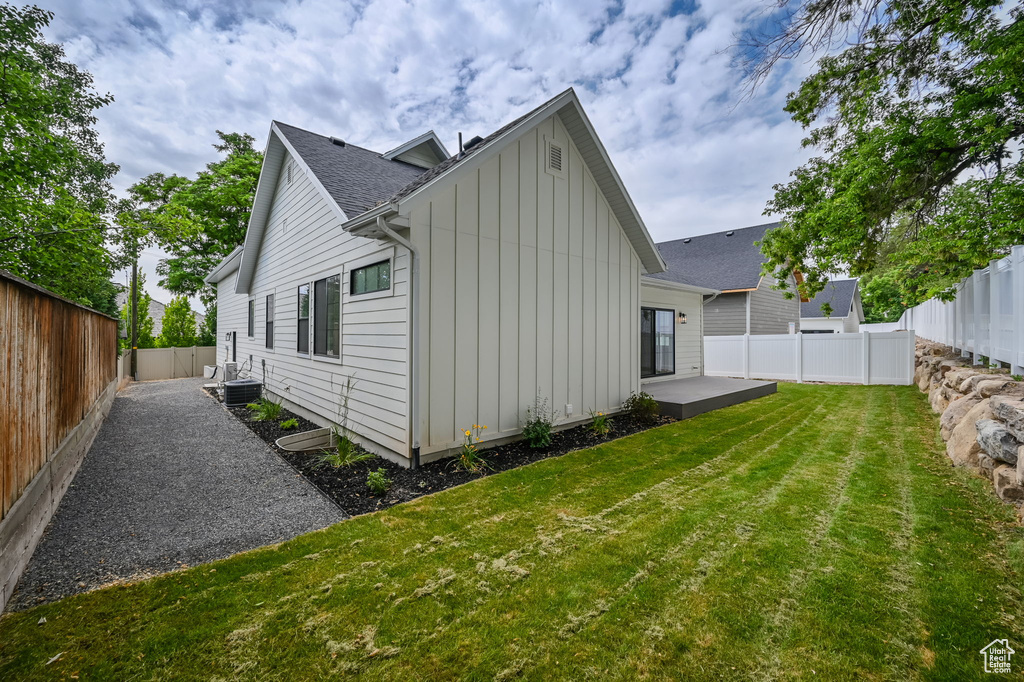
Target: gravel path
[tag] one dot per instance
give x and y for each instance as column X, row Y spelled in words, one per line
column 172, row 479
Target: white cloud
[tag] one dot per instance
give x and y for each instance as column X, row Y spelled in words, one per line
column 661, row 90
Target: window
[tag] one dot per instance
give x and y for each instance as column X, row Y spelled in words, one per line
column 657, row 342
column 303, row 329
column 252, row 318
column 288, row 172
column 370, row 278
column 270, row 321
column 327, row 317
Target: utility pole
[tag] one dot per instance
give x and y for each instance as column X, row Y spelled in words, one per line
column 135, row 313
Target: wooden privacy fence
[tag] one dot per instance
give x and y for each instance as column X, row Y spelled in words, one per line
column 864, row 358
column 56, row 359
column 986, row 318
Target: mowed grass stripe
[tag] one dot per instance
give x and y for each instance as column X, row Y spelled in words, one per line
column 608, row 535
column 619, row 563
column 704, row 602
column 686, row 559
column 557, row 560
column 863, row 618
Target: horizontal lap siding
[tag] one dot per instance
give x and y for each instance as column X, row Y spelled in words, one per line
column 374, row 332
column 529, row 285
column 689, row 339
column 770, row 310
column 56, row 359
column 726, row 315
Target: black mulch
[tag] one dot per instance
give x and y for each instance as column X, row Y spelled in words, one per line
column 347, row 485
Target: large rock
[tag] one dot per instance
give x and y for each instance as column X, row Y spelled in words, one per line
column 997, row 442
column 970, row 384
column 956, row 377
column 963, row 447
column 952, row 415
column 925, row 379
column 1005, row 479
column 1010, row 410
column 1002, row 386
column 949, row 365
column 987, row 465
column 939, row 398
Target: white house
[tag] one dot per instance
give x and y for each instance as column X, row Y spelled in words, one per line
column 846, row 313
column 453, row 289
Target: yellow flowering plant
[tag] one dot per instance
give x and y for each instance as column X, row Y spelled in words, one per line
column 600, row 423
column 469, row 458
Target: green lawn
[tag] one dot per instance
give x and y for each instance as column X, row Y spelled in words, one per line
column 817, row 533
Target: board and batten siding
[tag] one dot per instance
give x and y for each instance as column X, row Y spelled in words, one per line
column 688, row 337
column 529, row 287
column 304, row 242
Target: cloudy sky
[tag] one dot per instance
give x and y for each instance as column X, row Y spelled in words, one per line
column 655, row 76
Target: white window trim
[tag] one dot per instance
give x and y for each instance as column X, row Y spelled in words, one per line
column 266, row 311
column 250, row 306
column 312, row 280
column 386, row 254
column 309, row 320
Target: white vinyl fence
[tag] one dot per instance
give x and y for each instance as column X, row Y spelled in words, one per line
column 987, row 317
column 864, row 358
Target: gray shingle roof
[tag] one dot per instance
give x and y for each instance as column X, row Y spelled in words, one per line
column 458, row 158
column 357, row 179
column 723, row 260
column 839, row 294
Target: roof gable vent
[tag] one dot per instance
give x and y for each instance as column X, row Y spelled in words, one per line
column 555, row 159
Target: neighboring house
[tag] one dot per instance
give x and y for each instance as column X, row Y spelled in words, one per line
column 847, row 313
column 730, row 262
column 156, row 312
column 454, row 290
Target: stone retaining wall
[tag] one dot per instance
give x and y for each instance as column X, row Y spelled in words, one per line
column 24, row 524
column 982, row 416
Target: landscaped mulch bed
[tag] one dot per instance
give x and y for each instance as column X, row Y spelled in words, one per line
column 347, row 485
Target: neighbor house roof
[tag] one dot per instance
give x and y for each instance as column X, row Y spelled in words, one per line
column 364, row 184
column 726, row 261
column 838, row 293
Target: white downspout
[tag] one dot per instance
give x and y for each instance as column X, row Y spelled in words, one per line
column 414, row 412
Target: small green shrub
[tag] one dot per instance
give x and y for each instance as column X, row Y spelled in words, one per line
column 600, row 424
column 289, row 424
column 344, row 454
column 265, row 410
column 378, row 481
column 469, row 458
column 643, row 407
column 539, row 420
column 983, row 360
column 1017, row 377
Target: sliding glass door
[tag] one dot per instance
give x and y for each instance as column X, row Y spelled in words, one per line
column 657, row 342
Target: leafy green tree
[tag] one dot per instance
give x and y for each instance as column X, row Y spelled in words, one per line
column 145, row 338
column 199, row 221
column 207, row 335
column 917, row 111
column 882, row 296
column 54, row 181
column 179, row 324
